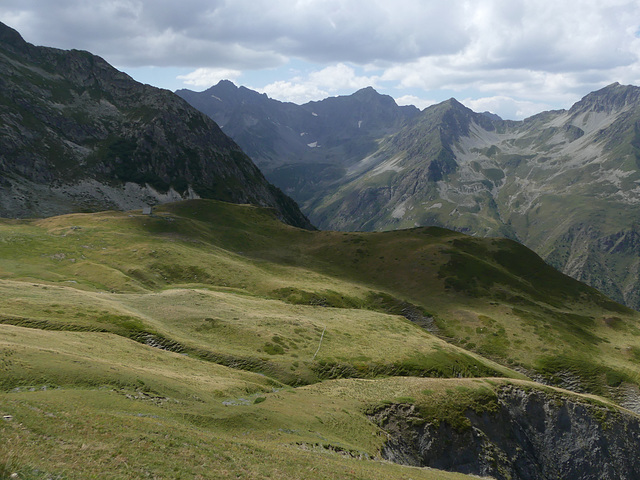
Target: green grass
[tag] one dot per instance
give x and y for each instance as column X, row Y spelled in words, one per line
column 243, row 250
column 249, row 332
column 128, row 411
column 93, row 405
column 273, row 340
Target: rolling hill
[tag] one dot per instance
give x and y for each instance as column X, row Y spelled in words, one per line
column 226, row 340
column 212, row 340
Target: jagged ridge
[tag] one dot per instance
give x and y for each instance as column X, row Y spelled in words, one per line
column 77, row 134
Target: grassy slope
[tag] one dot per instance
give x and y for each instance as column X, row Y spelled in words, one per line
column 122, row 410
column 225, row 284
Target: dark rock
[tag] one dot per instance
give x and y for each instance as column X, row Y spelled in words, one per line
column 533, row 435
column 76, row 134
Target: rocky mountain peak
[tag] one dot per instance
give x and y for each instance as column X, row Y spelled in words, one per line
column 369, row 93
column 227, row 91
column 448, row 108
column 372, row 98
column 453, row 119
column 227, row 84
column 366, row 99
column 77, row 134
column 11, row 38
column 453, row 103
column 609, row 99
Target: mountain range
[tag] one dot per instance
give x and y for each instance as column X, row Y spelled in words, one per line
column 565, row 183
column 78, row 135
column 221, row 340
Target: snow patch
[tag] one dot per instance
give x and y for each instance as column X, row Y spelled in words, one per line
column 312, row 145
column 399, row 211
column 388, row 165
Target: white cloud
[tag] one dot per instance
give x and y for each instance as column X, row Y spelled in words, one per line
column 341, row 76
column 205, row 77
column 421, row 103
column 319, row 84
column 296, row 92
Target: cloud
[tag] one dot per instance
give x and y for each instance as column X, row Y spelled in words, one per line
column 202, row 31
column 318, row 84
column 538, row 34
column 139, row 33
column 205, row 77
column 294, row 92
column 341, row 76
column 541, row 51
column 421, row 103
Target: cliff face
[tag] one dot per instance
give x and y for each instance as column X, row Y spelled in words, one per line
column 531, row 435
column 77, row 134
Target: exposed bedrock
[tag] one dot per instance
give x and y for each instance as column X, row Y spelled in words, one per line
column 529, row 435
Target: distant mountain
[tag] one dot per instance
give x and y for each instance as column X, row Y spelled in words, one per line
column 565, row 183
column 302, row 148
column 77, row 135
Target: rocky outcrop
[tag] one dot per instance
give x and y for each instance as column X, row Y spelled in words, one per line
column 68, row 120
column 531, row 435
column 610, row 263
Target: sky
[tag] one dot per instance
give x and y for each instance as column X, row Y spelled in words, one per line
column 514, row 58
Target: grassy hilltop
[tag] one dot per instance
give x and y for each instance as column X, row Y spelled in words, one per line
column 212, row 341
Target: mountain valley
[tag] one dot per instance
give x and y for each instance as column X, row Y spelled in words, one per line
column 564, row 183
column 220, row 335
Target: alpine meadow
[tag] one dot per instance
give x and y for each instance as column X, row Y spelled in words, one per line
column 455, row 297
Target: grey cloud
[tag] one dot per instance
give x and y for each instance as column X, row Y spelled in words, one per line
column 559, row 36
column 527, row 44
column 329, row 30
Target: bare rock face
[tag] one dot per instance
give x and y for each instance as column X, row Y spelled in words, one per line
column 77, row 134
column 532, row 435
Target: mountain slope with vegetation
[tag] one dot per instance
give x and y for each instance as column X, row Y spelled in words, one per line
column 212, row 340
column 78, row 135
column 564, row 183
